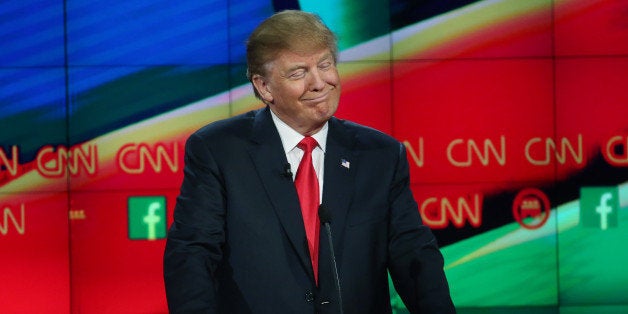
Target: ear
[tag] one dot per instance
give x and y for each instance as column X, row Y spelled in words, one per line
column 262, row 88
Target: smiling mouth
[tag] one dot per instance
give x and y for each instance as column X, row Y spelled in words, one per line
column 318, row 98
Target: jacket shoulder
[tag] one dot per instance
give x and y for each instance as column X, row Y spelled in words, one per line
column 234, row 127
column 368, row 137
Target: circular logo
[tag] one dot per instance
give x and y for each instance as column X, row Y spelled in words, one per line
column 531, row 208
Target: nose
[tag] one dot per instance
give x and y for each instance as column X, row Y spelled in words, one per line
column 316, row 81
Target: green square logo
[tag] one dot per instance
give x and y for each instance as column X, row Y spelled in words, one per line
column 599, row 207
column 147, row 217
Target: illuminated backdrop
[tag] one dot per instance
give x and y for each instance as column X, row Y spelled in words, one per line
column 514, row 115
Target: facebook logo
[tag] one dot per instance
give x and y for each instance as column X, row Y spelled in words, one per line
column 147, row 217
column 599, row 207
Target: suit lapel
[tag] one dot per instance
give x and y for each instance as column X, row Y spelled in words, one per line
column 338, row 190
column 269, row 158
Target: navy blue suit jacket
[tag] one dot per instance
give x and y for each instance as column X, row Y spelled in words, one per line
column 238, row 245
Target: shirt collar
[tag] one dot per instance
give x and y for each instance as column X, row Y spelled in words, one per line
column 290, row 138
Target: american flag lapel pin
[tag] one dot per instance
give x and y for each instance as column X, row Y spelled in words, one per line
column 345, row 163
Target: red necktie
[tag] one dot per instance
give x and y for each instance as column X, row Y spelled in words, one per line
column 306, row 183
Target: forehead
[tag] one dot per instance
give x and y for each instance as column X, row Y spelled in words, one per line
column 287, row 59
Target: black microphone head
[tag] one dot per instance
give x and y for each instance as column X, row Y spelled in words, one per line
column 324, row 214
column 287, row 171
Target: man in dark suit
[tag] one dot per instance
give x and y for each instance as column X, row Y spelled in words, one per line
column 245, row 237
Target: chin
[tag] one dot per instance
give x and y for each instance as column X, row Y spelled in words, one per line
column 323, row 116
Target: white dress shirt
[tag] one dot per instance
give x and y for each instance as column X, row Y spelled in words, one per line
column 290, row 138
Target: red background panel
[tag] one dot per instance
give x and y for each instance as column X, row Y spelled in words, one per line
column 35, row 263
column 459, row 211
column 135, row 165
column 587, row 99
column 365, row 99
column 592, row 27
column 505, row 101
column 110, row 271
column 437, row 202
column 588, row 102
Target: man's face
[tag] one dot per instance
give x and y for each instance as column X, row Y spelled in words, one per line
column 303, row 90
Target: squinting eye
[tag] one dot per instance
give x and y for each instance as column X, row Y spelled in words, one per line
column 297, row 74
column 325, row 65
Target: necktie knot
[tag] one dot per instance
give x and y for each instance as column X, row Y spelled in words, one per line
column 307, row 144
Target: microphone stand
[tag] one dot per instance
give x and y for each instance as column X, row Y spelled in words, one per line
column 325, row 218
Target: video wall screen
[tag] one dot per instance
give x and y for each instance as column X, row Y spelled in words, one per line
column 513, row 113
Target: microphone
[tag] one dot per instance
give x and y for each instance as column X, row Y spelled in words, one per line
column 325, row 217
column 287, row 171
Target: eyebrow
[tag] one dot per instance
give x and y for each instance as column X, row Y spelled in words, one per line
column 301, row 66
column 325, row 56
